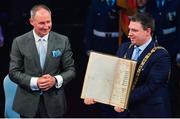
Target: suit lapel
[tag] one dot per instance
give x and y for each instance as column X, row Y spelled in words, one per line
column 129, row 52
column 51, row 43
column 146, row 50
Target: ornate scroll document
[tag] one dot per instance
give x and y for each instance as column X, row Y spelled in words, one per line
column 108, row 79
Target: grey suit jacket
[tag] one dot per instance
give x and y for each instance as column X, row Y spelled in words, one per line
column 25, row 64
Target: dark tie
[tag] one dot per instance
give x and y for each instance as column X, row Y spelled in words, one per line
column 137, row 53
column 42, row 52
column 160, row 3
column 110, row 2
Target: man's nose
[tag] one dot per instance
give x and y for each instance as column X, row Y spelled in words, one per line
column 129, row 34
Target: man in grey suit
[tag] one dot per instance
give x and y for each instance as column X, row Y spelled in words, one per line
column 41, row 82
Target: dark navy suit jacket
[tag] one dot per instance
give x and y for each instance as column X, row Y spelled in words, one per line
column 150, row 95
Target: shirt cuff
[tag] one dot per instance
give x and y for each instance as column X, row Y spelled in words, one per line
column 59, row 80
column 33, row 83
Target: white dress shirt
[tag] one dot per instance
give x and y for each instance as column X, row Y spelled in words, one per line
column 142, row 47
column 33, row 82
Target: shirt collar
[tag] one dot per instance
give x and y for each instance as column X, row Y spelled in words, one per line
column 142, row 47
column 36, row 37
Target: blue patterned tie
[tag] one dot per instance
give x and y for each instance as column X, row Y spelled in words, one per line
column 137, row 53
column 42, row 52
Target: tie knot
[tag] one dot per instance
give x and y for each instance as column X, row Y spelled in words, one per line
column 137, row 49
column 41, row 40
column 136, row 53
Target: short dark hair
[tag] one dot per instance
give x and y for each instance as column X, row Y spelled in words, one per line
column 145, row 19
column 37, row 7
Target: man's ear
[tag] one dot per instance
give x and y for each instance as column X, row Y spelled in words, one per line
column 31, row 21
column 149, row 30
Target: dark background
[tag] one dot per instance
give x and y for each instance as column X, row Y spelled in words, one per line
column 68, row 19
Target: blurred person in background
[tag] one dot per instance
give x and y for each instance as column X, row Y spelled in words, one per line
column 167, row 34
column 101, row 28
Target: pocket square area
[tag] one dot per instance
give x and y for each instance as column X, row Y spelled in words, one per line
column 56, row 53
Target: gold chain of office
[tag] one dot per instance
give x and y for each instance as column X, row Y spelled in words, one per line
column 142, row 64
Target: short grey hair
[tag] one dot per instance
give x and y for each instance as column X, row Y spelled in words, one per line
column 38, row 7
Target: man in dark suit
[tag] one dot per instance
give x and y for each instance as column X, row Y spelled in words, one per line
column 149, row 95
column 41, row 63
